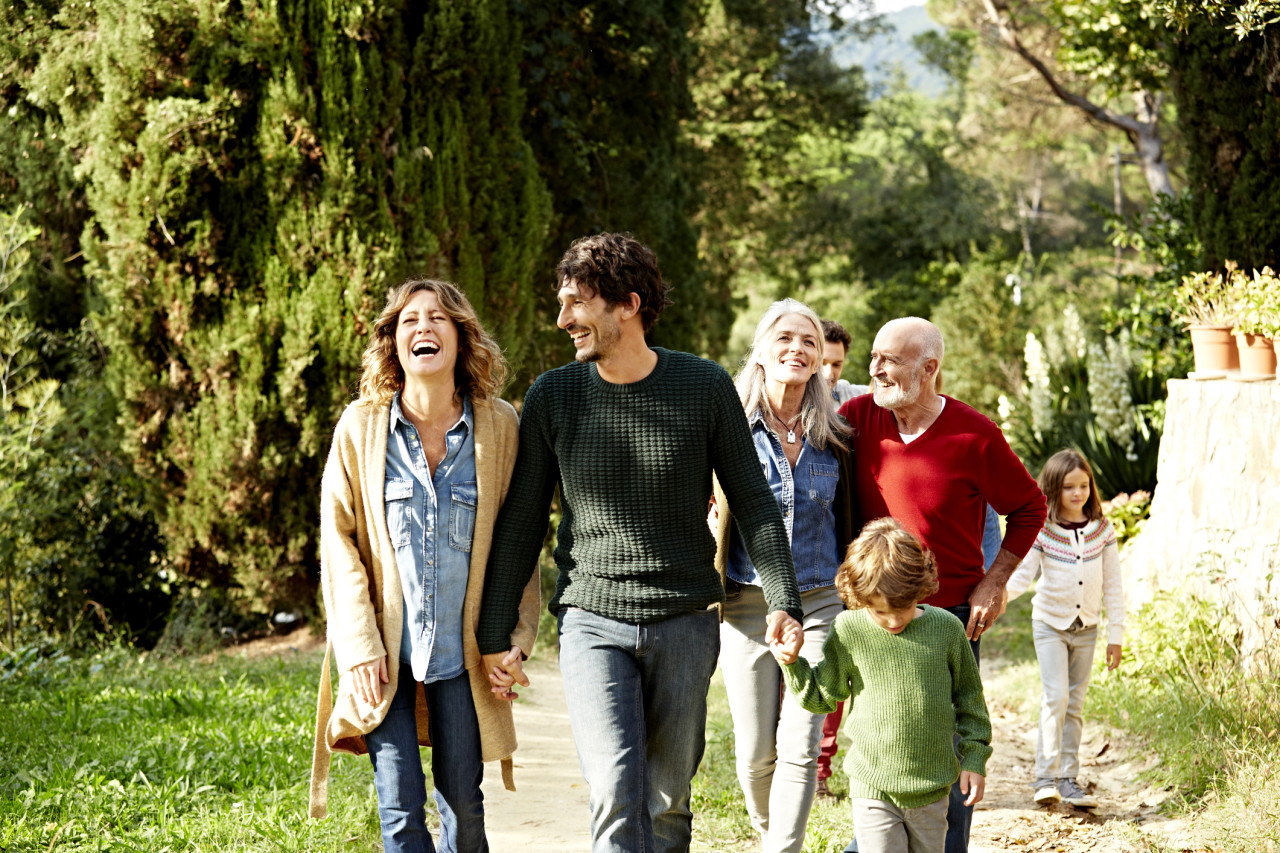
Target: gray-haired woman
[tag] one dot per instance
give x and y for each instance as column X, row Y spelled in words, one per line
column 801, row 444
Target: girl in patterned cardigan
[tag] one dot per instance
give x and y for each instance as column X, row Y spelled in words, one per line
column 1079, row 567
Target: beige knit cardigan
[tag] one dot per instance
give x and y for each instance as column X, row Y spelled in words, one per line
column 362, row 594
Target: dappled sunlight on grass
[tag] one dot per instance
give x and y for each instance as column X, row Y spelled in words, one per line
column 127, row 752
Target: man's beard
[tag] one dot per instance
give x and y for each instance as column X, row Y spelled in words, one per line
column 898, row 395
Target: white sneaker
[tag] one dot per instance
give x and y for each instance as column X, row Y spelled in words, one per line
column 1074, row 795
column 1047, row 795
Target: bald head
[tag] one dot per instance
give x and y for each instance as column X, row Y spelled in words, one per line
column 905, row 359
column 915, row 333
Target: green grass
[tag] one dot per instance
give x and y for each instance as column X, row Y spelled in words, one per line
column 720, row 813
column 1213, row 718
column 124, row 752
column 1010, row 637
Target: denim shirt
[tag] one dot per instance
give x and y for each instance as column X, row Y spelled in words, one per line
column 805, row 496
column 431, row 520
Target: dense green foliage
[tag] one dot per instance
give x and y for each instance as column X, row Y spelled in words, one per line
column 256, row 179
column 1228, row 95
column 28, row 406
column 608, row 88
column 220, row 195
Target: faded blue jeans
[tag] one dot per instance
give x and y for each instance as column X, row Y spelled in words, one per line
column 637, row 697
column 456, row 769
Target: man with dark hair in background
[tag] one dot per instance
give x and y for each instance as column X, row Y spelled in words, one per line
column 838, row 340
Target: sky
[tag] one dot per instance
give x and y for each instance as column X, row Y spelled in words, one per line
column 895, row 5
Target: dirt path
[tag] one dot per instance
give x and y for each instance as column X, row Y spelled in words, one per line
column 1127, row 816
column 549, row 812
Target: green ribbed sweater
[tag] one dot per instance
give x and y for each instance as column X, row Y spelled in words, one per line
column 634, row 465
column 907, row 694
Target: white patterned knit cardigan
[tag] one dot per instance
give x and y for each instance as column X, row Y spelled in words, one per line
column 1079, row 574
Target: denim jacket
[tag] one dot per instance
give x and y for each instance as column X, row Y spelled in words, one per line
column 806, row 496
column 431, row 521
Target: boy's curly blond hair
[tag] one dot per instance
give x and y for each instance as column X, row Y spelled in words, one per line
column 886, row 561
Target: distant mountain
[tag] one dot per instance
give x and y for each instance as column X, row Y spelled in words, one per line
column 885, row 56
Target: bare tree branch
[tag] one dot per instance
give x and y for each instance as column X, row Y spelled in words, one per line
column 1143, row 131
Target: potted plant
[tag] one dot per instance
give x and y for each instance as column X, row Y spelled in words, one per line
column 1206, row 305
column 1258, row 325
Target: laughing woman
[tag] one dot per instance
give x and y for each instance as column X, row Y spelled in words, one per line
column 418, row 469
column 801, row 444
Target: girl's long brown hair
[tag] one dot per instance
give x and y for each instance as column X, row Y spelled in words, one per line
column 1055, row 471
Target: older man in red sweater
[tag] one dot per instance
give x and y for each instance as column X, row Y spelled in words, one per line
column 934, row 463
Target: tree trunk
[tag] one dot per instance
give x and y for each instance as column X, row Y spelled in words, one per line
column 1143, row 129
column 1146, row 140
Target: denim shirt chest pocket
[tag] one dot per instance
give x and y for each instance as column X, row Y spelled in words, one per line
column 398, row 495
column 462, row 515
column 822, row 483
column 814, row 541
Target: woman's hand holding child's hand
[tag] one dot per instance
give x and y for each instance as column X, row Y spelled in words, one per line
column 973, row 784
column 1113, row 655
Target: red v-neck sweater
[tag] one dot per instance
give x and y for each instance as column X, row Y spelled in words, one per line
column 938, row 487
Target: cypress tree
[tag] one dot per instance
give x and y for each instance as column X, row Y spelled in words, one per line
column 1228, row 97
column 258, row 175
column 608, row 85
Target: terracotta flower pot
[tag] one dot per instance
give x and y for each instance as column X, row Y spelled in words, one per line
column 1257, row 355
column 1214, row 349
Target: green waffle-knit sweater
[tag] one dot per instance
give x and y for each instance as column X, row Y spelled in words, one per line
column 634, row 464
column 907, row 694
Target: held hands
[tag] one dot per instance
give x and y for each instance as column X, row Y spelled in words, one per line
column 972, row 784
column 367, row 680
column 1114, row 653
column 505, row 671
column 785, row 637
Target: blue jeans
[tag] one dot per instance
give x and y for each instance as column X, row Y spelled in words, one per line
column 456, row 769
column 959, row 816
column 637, row 697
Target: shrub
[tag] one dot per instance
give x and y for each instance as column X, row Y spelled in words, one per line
column 1188, row 690
column 1127, row 514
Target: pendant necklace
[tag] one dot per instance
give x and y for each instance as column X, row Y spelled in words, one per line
column 789, row 427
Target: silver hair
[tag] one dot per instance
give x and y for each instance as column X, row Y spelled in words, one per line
column 818, row 415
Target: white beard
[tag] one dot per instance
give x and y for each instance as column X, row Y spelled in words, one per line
column 898, row 395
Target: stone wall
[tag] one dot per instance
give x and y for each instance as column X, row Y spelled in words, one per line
column 1214, row 529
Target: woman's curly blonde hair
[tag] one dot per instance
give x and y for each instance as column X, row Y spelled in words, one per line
column 886, row 561
column 480, row 371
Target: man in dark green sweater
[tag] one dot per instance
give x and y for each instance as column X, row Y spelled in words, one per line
column 632, row 436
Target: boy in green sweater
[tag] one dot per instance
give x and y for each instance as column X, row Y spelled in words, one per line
column 912, row 683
